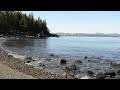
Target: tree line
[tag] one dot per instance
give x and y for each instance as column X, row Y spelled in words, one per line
column 16, row 23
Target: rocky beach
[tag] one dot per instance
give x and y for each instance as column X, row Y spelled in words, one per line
column 17, row 69
column 12, row 67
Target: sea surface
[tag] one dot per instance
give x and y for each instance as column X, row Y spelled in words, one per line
column 100, row 51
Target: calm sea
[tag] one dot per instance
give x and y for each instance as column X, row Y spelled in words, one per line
column 67, row 47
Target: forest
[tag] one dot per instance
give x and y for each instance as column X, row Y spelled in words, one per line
column 17, row 24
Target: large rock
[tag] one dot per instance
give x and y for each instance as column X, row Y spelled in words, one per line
column 110, row 73
column 85, row 57
column 74, row 67
column 100, row 76
column 89, row 73
column 118, row 72
column 62, row 61
column 52, row 55
column 78, row 62
column 113, row 64
column 77, row 76
column 67, row 71
column 28, row 60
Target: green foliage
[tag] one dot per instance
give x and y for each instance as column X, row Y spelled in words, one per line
column 16, row 23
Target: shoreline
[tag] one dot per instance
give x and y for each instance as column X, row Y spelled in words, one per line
column 18, row 64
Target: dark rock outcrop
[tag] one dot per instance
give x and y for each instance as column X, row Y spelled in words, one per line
column 85, row 57
column 28, row 60
column 100, row 76
column 62, row 61
column 90, row 73
column 52, row 55
column 110, row 73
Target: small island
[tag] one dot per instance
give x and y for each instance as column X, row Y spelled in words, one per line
column 17, row 24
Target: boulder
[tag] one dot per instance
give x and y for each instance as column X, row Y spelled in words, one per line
column 62, row 61
column 113, row 64
column 10, row 56
column 51, row 54
column 78, row 62
column 85, row 57
column 118, row 72
column 90, row 73
column 73, row 67
column 41, row 65
column 100, row 76
column 77, row 76
column 28, row 59
column 67, row 71
column 110, row 73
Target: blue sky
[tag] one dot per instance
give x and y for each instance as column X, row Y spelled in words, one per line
column 80, row 21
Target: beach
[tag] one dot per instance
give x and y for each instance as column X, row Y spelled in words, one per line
column 19, row 67
column 15, row 68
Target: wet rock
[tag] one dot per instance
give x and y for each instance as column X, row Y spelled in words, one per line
column 78, row 62
column 108, row 77
column 62, row 61
column 74, row 67
column 110, row 73
column 52, row 55
column 67, row 71
column 117, row 77
column 29, row 58
column 85, row 57
column 78, row 76
column 99, row 58
column 100, row 76
column 10, row 56
column 28, row 61
column 118, row 72
column 41, row 65
column 113, row 64
column 89, row 73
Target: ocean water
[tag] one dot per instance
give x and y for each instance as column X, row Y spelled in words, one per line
column 70, row 48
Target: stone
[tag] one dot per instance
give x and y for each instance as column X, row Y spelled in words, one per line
column 29, row 58
column 78, row 62
column 90, row 73
column 113, row 64
column 100, row 76
column 110, row 73
column 118, row 72
column 67, row 72
column 62, row 61
column 51, row 54
column 73, row 67
column 28, row 61
column 85, row 57
column 78, row 76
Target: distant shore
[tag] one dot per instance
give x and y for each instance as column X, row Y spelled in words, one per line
column 89, row 35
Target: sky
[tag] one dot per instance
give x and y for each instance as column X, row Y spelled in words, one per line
column 80, row 21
